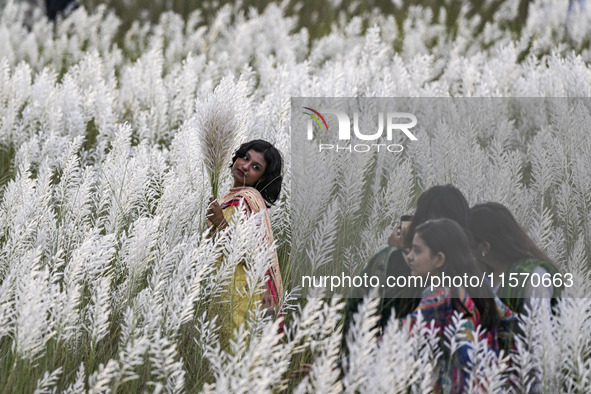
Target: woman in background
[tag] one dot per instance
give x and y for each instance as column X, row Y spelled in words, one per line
column 442, row 201
column 504, row 248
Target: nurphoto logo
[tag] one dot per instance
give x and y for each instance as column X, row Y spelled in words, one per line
column 392, row 122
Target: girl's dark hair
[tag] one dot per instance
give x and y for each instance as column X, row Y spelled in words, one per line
column 493, row 223
column 448, row 237
column 270, row 183
column 439, row 202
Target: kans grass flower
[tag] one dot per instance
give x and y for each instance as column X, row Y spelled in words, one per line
column 220, row 123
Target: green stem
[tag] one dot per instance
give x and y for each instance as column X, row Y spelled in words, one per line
column 214, row 184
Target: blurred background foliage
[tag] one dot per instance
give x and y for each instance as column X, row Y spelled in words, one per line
column 317, row 16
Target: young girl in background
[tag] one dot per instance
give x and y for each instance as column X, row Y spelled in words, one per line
column 441, row 246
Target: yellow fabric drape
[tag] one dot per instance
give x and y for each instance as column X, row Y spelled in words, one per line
column 236, row 301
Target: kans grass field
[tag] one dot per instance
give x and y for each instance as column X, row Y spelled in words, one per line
column 105, row 273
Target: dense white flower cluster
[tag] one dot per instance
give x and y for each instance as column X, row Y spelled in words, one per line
column 105, row 272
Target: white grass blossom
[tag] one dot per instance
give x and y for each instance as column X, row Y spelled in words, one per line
column 49, row 379
column 113, row 136
column 220, row 122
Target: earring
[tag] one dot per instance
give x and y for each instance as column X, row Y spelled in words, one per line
column 483, row 253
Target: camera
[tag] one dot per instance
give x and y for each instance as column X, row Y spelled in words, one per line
column 405, row 221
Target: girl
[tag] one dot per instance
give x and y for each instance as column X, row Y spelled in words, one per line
column 441, row 201
column 256, row 169
column 505, row 248
column 441, row 246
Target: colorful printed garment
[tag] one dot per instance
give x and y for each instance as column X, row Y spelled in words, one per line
column 439, row 306
column 237, row 301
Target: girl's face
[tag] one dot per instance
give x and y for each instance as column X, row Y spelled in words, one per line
column 248, row 169
column 420, row 259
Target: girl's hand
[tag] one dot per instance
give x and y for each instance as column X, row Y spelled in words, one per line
column 214, row 213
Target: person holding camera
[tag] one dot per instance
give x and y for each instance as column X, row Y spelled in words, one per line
column 442, row 201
